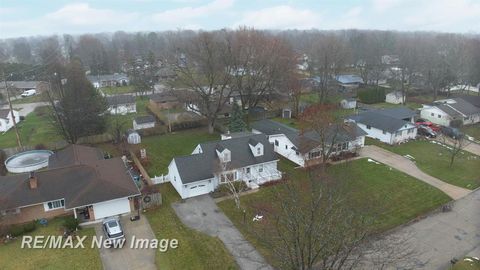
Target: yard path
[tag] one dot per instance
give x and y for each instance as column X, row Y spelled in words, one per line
column 25, row 108
column 405, row 165
column 202, row 214
column 436, row 239
column 471, row 147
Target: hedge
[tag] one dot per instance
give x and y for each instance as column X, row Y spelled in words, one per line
column 373, row 95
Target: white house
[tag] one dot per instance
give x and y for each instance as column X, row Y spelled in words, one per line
column 143, row 122
column 390, row 126
column 6, row 119
column 442, row 112
column 348, row 103
column 349, row 80
column 247, row 158
column 395, row 97
column 300, row 147
column 108, row 80
column 121, row 104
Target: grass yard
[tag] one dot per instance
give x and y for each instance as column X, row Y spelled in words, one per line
column 162, row 148
column 195, row 250
column 473, row 131
column 399, row 197
column 35, row 129
column 13, row 257
column 127, row 119
column 117, row 90
column 434, row 159
column 385, row 105
column 31, row 99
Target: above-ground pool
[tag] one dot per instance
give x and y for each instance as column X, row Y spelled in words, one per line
column 28, row 161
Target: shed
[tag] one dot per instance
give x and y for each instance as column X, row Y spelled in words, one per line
column 143, row 122
column 348, row 103
column 133, row 137
column 395, row 97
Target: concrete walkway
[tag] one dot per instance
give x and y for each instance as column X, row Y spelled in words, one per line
column 407, row 166
column 441, row 236
column 25, row 108
column 471, row 147
column 126, row 257
column 202, row 214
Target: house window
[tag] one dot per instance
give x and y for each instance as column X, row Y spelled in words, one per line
column 410, row 131
column 258, row 151
column 276, row 142
column 174, row 178
column 439, row 116
column 384, row 132
column 432, row 114
column 286, row 146
column 296, row 153
column 369, row 127
column 260, row 169
column 54, row 205
column 248, row 170
column 315, row 154
column 227, row 177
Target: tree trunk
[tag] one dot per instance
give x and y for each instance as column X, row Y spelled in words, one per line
column 211, row 126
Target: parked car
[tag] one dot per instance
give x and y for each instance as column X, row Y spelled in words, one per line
column 422, row 122
column 452, row 132
column 426, row 131
column 113, row 231
column 28, row 93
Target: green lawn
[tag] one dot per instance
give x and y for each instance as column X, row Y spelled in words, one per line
column 434, row 159
column 31, row 99
column 397, row 197
column 35, row 129
column 127, row 119
column 12, row 256
column 473, row 131
column 162, row 148
column 117, row 90
column 195, row 250
column 385, row 105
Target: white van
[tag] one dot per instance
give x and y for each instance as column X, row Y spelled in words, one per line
column 28, row 93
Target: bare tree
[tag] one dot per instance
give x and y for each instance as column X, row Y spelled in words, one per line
column 454, row 146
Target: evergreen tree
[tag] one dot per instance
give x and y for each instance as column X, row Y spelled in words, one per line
column 236, row 120
column 81, row 109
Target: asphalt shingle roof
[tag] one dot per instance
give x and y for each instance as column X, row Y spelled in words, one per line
column 380, row 121
column 397, row 113
column 120, row 99
column 202, row 166
column 144, row 119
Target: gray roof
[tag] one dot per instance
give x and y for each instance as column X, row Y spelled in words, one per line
column 379, row 121
column 397, row 113
column 202, row 166
column 448, row 110
column 349, row 79
column 164, row 97
column 474, row 100
column 464, row 107
column 238, row 134
column 4, row 113
column 305, row 141
column 21, row 84
column 79, row 184
column 144, row 119
column 120, row 99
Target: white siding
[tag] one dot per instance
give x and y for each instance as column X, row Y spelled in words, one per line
column 388, row 137
column 142, row 126
column 435, row 115
column 284, row 148
column 123, row 109
column 111, row 208
column 6, row 124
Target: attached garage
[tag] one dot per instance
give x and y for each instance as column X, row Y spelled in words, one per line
column 111, row 208
column 197, row 189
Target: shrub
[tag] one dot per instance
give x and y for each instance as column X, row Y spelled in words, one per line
column 29, row 227
column 373, row 95
column 18, row 230
column 70, row 223
column 224, row 190
column 40, row 146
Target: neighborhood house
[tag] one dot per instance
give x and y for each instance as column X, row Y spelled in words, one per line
column 390, row 126
column 305, row 148
column 249, row 158
column 108, row 80
column 78, row 182
column 464, row 110
column 143, row 122
column 121, row 104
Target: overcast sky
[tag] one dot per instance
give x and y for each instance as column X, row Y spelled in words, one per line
column 45, row 17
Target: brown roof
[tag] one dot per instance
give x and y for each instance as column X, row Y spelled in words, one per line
column 163, row 97
column 75, row 154
column 78, row 184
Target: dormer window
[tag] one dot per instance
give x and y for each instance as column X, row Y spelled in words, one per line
column 259, row 151
column 226, row 156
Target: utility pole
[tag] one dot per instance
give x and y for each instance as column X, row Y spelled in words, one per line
column 19, row 143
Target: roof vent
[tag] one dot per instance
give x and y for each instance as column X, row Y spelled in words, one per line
column 32, row 181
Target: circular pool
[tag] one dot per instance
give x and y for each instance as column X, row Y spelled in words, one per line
column 28, row 161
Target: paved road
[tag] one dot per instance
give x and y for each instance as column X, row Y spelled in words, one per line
column 125, row 257
column 25, row 108
column 407, row 166
column 202, row 214
column 441, row 236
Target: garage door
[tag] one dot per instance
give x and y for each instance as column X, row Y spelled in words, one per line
column 111, row 208
column 196, row 190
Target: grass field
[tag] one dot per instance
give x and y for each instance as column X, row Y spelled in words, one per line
column 31, row 99
column 397, row 197
column 195, row 250
column 434, row 159
column 162, row 148
column 117, row 90
column 473, row 131
column 13, row 257
column 35, row 129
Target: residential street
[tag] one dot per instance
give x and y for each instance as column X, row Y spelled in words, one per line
column 25, row 108
column 202, row 214
column 127, row 258
column 407, row 166
column 442, row 236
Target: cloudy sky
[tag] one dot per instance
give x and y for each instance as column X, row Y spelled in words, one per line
column 41, row 17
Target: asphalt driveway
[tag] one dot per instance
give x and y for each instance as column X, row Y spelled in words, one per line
column 442, row 236
column 125, row 257
column 202, row 214
column 407, row 166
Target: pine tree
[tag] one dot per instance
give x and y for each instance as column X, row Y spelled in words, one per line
column 236, row 120
column 81, row 109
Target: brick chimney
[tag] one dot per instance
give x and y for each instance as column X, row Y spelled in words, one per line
column 32, row 181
